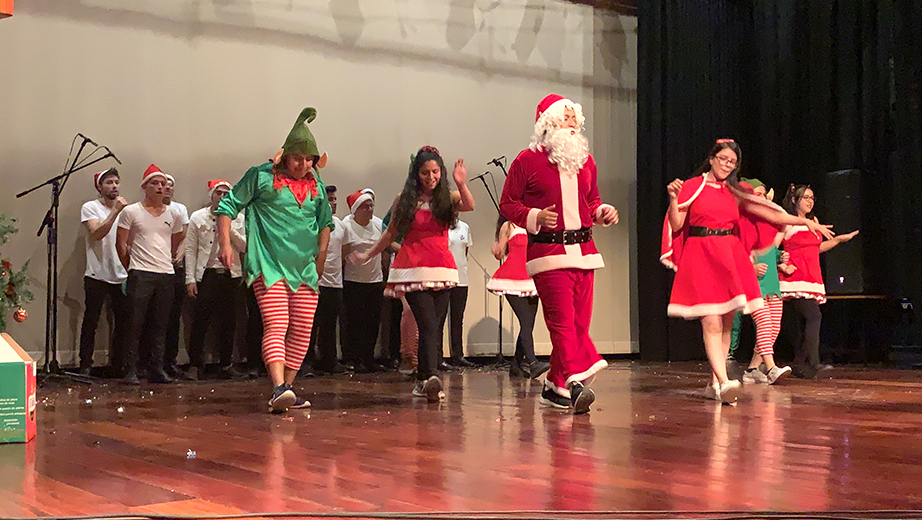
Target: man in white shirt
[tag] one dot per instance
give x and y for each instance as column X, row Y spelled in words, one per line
column 179, row 283
column 363, row 284
column 459, row 241
column 210, row 284
column 147, row 239
column 329, row 306
column 104, row 273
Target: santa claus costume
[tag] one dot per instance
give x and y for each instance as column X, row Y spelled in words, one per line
column 557, row 173
column 512, row 281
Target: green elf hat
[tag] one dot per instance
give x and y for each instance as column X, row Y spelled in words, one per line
column 301, row 140
column 755, row 183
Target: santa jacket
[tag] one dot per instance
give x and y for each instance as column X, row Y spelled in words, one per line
column 535, row 183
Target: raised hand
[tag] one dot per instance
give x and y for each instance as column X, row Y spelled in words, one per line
column 674, row 188
column 460, row 172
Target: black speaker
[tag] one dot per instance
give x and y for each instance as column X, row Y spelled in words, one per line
column 842, row 208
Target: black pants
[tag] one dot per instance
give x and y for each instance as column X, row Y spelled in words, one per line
column 457, row 301
column 807, row 341
column 429, row 308
column 525, row 309
column 323, row 335
column 96, row 293
column 149, row 298
column 254, row 336
column 363, row 303
column 216, row 303
column 172, row 331
column 395, row 312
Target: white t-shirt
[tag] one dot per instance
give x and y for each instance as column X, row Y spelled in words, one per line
column 180, row 210
column 361, row 239
column 150, row 237
column 333, row 267
column 102, row 261
column 459, row 239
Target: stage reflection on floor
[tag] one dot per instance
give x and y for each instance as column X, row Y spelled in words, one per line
column 651, row 442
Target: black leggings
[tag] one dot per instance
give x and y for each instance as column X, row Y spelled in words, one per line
column 429, row 308
column 525, row 309
column 807, row 344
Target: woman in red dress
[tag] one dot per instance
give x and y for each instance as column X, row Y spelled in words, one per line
column 801, row 278
column 717, row 225
column 512, row 281
column 424, row 266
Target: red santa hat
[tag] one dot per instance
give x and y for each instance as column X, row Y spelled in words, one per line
column 550, row 112
column 151, row 172
column 354, row 200
column 101, row 176
column 215, row 184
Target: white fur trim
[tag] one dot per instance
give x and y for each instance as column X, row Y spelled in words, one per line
column 152, row 175
column 790, row 231
column 359, row 201
column 515, row 287
column 569, row 198
column 531, row 221
column 802, row 286
column 423, row 274
column 694, row 196
column 565, row 261
column 218, row 185
column 598, row 214
column 589, row 373
column 715, row 309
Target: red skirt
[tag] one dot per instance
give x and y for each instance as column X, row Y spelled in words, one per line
column 715, row 277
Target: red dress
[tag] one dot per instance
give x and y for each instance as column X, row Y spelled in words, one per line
column 424, row 260
column 807, row 279
column 512, row 276
column 714, row 275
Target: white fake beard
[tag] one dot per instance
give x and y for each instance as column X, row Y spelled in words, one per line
column 569, row 149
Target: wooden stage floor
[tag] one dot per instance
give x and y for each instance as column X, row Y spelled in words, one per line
column 651, row 442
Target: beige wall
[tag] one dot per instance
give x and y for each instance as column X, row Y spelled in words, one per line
column 206, row 89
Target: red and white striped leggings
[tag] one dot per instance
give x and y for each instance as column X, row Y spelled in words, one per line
column 288, row 317
column 768, row 325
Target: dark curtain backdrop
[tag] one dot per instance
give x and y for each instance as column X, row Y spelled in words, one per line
column 806, row 88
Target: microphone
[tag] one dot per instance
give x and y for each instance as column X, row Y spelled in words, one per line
column 480, row 176
column 87, row 139
column 106, row 148
column 496, row 160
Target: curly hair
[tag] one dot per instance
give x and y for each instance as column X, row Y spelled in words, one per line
column 793, row 196
column 721, row 144
column 443, row 208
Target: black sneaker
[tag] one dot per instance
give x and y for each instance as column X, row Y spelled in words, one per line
column 534, row 369
column 460, row 362
column 283, row 397
column 581, row 398
column 553, row 399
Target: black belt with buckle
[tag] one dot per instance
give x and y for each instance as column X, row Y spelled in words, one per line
column 578, row 236
column 217, row 270
column 701, row 231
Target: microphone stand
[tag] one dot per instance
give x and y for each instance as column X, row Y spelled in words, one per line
column 500, row 361
column 50, row 222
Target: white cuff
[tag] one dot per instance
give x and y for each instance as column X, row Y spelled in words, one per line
column 598, row 214
column 531, row 221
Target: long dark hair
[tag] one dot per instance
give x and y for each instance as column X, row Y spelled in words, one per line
column 443, row 209
column 733, row 178
column 793, row 196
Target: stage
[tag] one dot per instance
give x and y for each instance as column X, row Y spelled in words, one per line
column 651, row 443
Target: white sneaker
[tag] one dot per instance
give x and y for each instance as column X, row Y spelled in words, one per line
column 730, row 391
column 777, row 374
column 431, row 389
column 754, row 376
column 712, row 392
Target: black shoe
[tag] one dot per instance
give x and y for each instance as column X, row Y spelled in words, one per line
column 581, row 398
column 131, row 378
column 254, row 373
column 306, row 372
column 195, row 373
column 84, row 371
column 362, row 368
column 553, row 399
column 461, row 363
column 803, row 372
column 173, row 371
column 158, row 376
column 282, row 399
column 337, row 368
column 515, row 370
column 445, row 367
column 534, row 369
